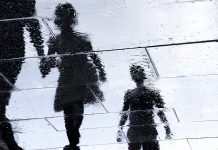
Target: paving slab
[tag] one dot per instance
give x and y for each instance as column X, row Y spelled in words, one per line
column 28, row 133
column 39, row 103
column 186, row 60
column 163, row 27
column 194, row 98
column 207, row 143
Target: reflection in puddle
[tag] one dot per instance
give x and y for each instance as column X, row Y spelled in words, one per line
column 12, row 45
column 142, row 131
column 78, row 83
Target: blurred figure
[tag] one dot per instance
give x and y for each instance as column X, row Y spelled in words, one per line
column 141, row 102
column 80, row 72
column 12, row 45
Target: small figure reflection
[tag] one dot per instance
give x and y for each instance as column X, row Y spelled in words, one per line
column 12, row 43
column 80, row 72
column 141, row 102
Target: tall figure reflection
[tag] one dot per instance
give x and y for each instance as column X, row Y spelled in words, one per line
column 141, row 102
column 12, row 44
column 80, row 74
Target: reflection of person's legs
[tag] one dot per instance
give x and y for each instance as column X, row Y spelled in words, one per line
column 73, row 115
column 151, row 145
column 5, row 127
column 134, row 146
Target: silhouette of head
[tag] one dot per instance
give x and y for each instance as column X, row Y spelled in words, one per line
column 65, row 16
column 137, row 73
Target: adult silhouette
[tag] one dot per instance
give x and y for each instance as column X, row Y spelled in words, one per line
column 141, row 102
column 12, row 44
column 80, row 72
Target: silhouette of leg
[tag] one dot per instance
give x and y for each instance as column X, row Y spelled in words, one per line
column 134, row 146
column 151, row 145
column 6, row 130
column 73, row 115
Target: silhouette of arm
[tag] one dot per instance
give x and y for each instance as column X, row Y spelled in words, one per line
column 33, row 27
column 99, row 66
column 49, row 62
column 160, row 104
column 126, row 104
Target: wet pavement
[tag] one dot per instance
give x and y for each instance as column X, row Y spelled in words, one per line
column 100, row 75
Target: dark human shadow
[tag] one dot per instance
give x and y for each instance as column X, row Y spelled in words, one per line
column 80, row 72
column 140, row 103
column 12, row 44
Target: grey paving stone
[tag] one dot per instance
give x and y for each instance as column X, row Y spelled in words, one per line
column 35, row 134
column 194, row 98
column 201, row 144
column 103, row 26
column 186, row 60
column 39, row 103
column 28, row 133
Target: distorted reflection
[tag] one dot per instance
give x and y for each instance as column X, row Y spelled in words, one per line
column 80, row 74
column 141, row 102
column 17, row 8
column 12, row 43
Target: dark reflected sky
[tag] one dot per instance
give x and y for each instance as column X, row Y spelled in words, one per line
column 141, row 101
column 80, row 74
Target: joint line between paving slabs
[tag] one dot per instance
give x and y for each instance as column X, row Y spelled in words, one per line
column 189, row 144
column 51, row 124
column 99, row 100
column 153, row 64
column 48, row 27
column 176, row 115
column 14, row 19
column 116, row 49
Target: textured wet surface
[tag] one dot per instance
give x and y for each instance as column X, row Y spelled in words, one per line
column 108, row 75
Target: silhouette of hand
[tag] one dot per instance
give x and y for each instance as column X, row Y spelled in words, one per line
column 119, row 136
column 45, row 65
column 169, row 134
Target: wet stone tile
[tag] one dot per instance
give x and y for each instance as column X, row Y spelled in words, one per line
column 192, row 130
column 23, row 38
column 201, row 144
column 27, row 134
column 186, row 60
column 40, row 103
column 25, row 74
column 194, row 98
column 31, row 131
column 46, row 8
column 103, row 26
